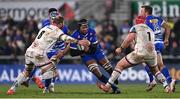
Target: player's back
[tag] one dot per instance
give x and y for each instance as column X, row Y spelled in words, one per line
column 144, row 39
column 155, row 23
column 45, row 39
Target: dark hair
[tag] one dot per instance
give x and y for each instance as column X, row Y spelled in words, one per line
column 82, row 21
column 53, row 13
column 147, row 9
column 52, row 9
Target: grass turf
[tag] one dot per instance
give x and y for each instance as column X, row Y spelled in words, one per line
column 89, row 91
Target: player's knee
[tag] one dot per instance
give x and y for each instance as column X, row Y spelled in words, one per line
column 49, row 67
column 123, row 64
column 92, row 67
column 160, row 65
column 49, row 74
column 107, row 66
column 28, row 70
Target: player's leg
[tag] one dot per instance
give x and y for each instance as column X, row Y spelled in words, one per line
column 104, row 62
column 156, row 72
column 26, row 83
column 48, row 73
column 107, row 66
column 126, row 62
column 53, row 80
column 160, row 77
column 165, row 72
column 21, row 78
column 93, row 67
column 152, row 81
column 121, row 65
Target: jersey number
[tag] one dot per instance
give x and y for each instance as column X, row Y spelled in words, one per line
column 149, row 36
column 40, row 35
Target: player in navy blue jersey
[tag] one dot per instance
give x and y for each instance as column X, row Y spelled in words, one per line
column 156, row 23
column 92, row 55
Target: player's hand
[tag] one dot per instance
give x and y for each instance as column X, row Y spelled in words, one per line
column 166, row 43
column 54, row 59
column 84, row 43
column 118, row 51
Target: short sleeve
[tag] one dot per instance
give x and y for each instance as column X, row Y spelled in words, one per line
column 160, row 20
column 132, row 30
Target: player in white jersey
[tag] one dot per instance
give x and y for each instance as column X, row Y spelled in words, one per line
column 36, row 54
column 144, row 52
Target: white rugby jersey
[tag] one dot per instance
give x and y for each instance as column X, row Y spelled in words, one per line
column 45, row 39
column 144, row 39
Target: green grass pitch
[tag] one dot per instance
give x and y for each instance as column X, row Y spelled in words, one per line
column 90, row 91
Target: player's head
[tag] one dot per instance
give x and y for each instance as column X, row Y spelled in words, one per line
column 55, row 17
column 146, row 10
column 140, row 20
column 83, row 25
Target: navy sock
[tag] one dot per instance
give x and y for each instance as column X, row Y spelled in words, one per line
column 53, row 79
column 32, row 73
column 47, row 82
column 165, row 72
column 151, row 78
column 103, row 79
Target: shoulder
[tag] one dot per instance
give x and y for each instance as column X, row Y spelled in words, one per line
column 75, row 33
column 90, row 30
column 132, row 29
column 65, row 29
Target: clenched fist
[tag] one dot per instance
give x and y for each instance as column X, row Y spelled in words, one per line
column 118, row 51
column 84, row 43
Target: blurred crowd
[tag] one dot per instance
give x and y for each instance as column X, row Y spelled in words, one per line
column 16, row 36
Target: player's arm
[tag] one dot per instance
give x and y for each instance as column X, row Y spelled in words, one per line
column 77, row 49
column 127, row 41
column 75, row 52
column 54, row 59
column 69, row 39
column 167, row 28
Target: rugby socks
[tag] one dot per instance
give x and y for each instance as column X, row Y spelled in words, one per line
column 160, row 77
column 165, row 72
column 95, row 70
column 151, row 78
column 32, row 73
column 18, row 81
column 115, row 74
column 53, row 79
column 47, row 83
column 108, row 68
column 105, row 80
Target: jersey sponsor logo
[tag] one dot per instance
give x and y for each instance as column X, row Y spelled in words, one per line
column 153, row 20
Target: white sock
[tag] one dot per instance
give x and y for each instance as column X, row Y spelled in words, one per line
column 20, row 78
column 160, row 77
column 115, row 74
